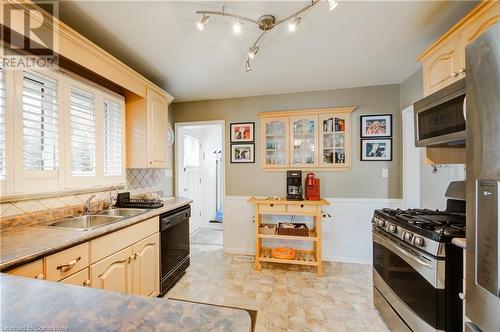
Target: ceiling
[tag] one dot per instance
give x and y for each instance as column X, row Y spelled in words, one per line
column 360, row 43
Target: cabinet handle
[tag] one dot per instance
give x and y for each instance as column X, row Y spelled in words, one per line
column 461, row 71
column 39, row 276
column 69, row 265
column 134, row 256
column 454, row 74
column 301, row 205
column 86, row 283
column 271, row 204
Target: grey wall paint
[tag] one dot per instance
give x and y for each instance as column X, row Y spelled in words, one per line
column 363, row 180
column 411, row 89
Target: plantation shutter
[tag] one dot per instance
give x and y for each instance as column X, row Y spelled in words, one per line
column 40, row 122
column 82, row 133
column 113, row 139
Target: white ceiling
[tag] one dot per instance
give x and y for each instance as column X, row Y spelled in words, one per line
column 357, row 44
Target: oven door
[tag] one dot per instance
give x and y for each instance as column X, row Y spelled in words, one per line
column 412, row 282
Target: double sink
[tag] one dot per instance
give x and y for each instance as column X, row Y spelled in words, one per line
column 92, row 221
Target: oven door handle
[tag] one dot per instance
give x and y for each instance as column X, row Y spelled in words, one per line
column 407, row 254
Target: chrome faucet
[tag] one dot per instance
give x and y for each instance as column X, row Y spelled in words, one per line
column 112, row 200
column 87, row 207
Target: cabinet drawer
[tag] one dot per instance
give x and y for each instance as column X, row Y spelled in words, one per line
column 30, row 270
column 67, row 262
column 78, row 279
column 272, row 208
column 109, row 244
column 301, row 208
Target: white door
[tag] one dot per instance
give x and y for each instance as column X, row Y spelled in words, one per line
column 192, row 176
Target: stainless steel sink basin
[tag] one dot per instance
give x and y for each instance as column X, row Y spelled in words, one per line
column 86, row 223
column 127, row 213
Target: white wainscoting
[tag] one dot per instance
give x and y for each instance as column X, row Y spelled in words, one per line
column 346, row 236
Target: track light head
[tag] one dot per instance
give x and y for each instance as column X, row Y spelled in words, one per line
column 201, row 24
column 247, row 66
column 253, row 51
column 332, row 4
column 293, row 25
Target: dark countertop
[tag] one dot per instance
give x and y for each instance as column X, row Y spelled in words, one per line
column 25, row 244
column 38, row 305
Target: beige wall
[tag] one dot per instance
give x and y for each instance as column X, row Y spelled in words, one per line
column 363, row 180
column 411, row 89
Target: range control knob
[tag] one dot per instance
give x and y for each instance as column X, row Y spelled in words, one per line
column 407, row 236
column 418, row 241
column 393, row 229
column 380, row 222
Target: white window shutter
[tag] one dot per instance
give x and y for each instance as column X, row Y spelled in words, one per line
column 113, row 138
column 82, row 132
column 40, row 122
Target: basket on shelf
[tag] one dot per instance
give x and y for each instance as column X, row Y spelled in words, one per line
column 269, row 229
column 292, row 229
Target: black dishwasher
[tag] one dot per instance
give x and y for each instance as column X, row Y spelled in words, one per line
column 174, row 246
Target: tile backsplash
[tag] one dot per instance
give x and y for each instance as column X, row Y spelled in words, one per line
column 139, row 181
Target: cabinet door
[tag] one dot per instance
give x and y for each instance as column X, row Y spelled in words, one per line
column 442, row 67
column 304, row 141
column 274, row 135
column 157, row 130
column 145, row 266
column 113, row 273
column 478, row 27
column 30, row 270
column 334, row 140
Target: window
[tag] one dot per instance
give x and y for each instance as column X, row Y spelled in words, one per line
column 3, row 137
column 82, row 133
column 113, row 138
column 40, row 122
column 191, row 151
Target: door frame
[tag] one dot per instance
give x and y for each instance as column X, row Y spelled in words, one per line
column 178, row 125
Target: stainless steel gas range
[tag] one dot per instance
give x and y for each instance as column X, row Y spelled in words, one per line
column 417, row 272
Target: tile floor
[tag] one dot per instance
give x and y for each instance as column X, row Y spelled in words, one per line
column 288, row 298
column 211, row 236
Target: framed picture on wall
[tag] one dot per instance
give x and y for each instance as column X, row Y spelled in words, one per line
column 242, row 132
column 376, row 149
column 242, row 153
column 376, row 125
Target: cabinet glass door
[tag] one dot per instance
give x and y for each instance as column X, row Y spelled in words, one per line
column 276, row 142
column 303, row 133
column 333, row 141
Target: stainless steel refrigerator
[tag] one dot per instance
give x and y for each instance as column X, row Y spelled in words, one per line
column 483, row 181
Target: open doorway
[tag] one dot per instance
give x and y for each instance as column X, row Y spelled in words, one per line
column 199, row 158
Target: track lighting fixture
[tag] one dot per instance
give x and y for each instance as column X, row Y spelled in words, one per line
column 264, row 22
column 201, row 24
column 252, row 51
column 293, row 25
column 237, row 28
column 247, row 66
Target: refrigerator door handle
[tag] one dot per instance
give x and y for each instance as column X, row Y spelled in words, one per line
column 465, row 108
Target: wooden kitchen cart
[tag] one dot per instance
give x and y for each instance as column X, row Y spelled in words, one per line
column 285, row 207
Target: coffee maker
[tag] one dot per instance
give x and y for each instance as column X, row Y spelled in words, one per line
column 312, row 187
column 294, row 185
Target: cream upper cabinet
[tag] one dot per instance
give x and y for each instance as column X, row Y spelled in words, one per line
column 304, row 141
column 274, row 134
column 444, row 62
column 307, row 139
column 334, row 141
column 145, row 266
column 158, row 135
column 113, row 273
column 147, row 131
column 442, row 67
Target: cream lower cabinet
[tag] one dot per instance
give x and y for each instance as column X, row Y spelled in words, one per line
column 113, row 273
column 133, row 270
column 145, row 266
column 78, row 279
column 31, row 270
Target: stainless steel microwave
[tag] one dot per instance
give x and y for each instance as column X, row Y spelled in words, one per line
column 440, row 117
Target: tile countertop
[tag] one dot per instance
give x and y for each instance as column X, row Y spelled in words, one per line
column 25, row 244
column 36, row 304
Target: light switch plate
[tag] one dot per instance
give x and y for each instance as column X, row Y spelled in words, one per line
column 168, row 173
column 385, row 173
